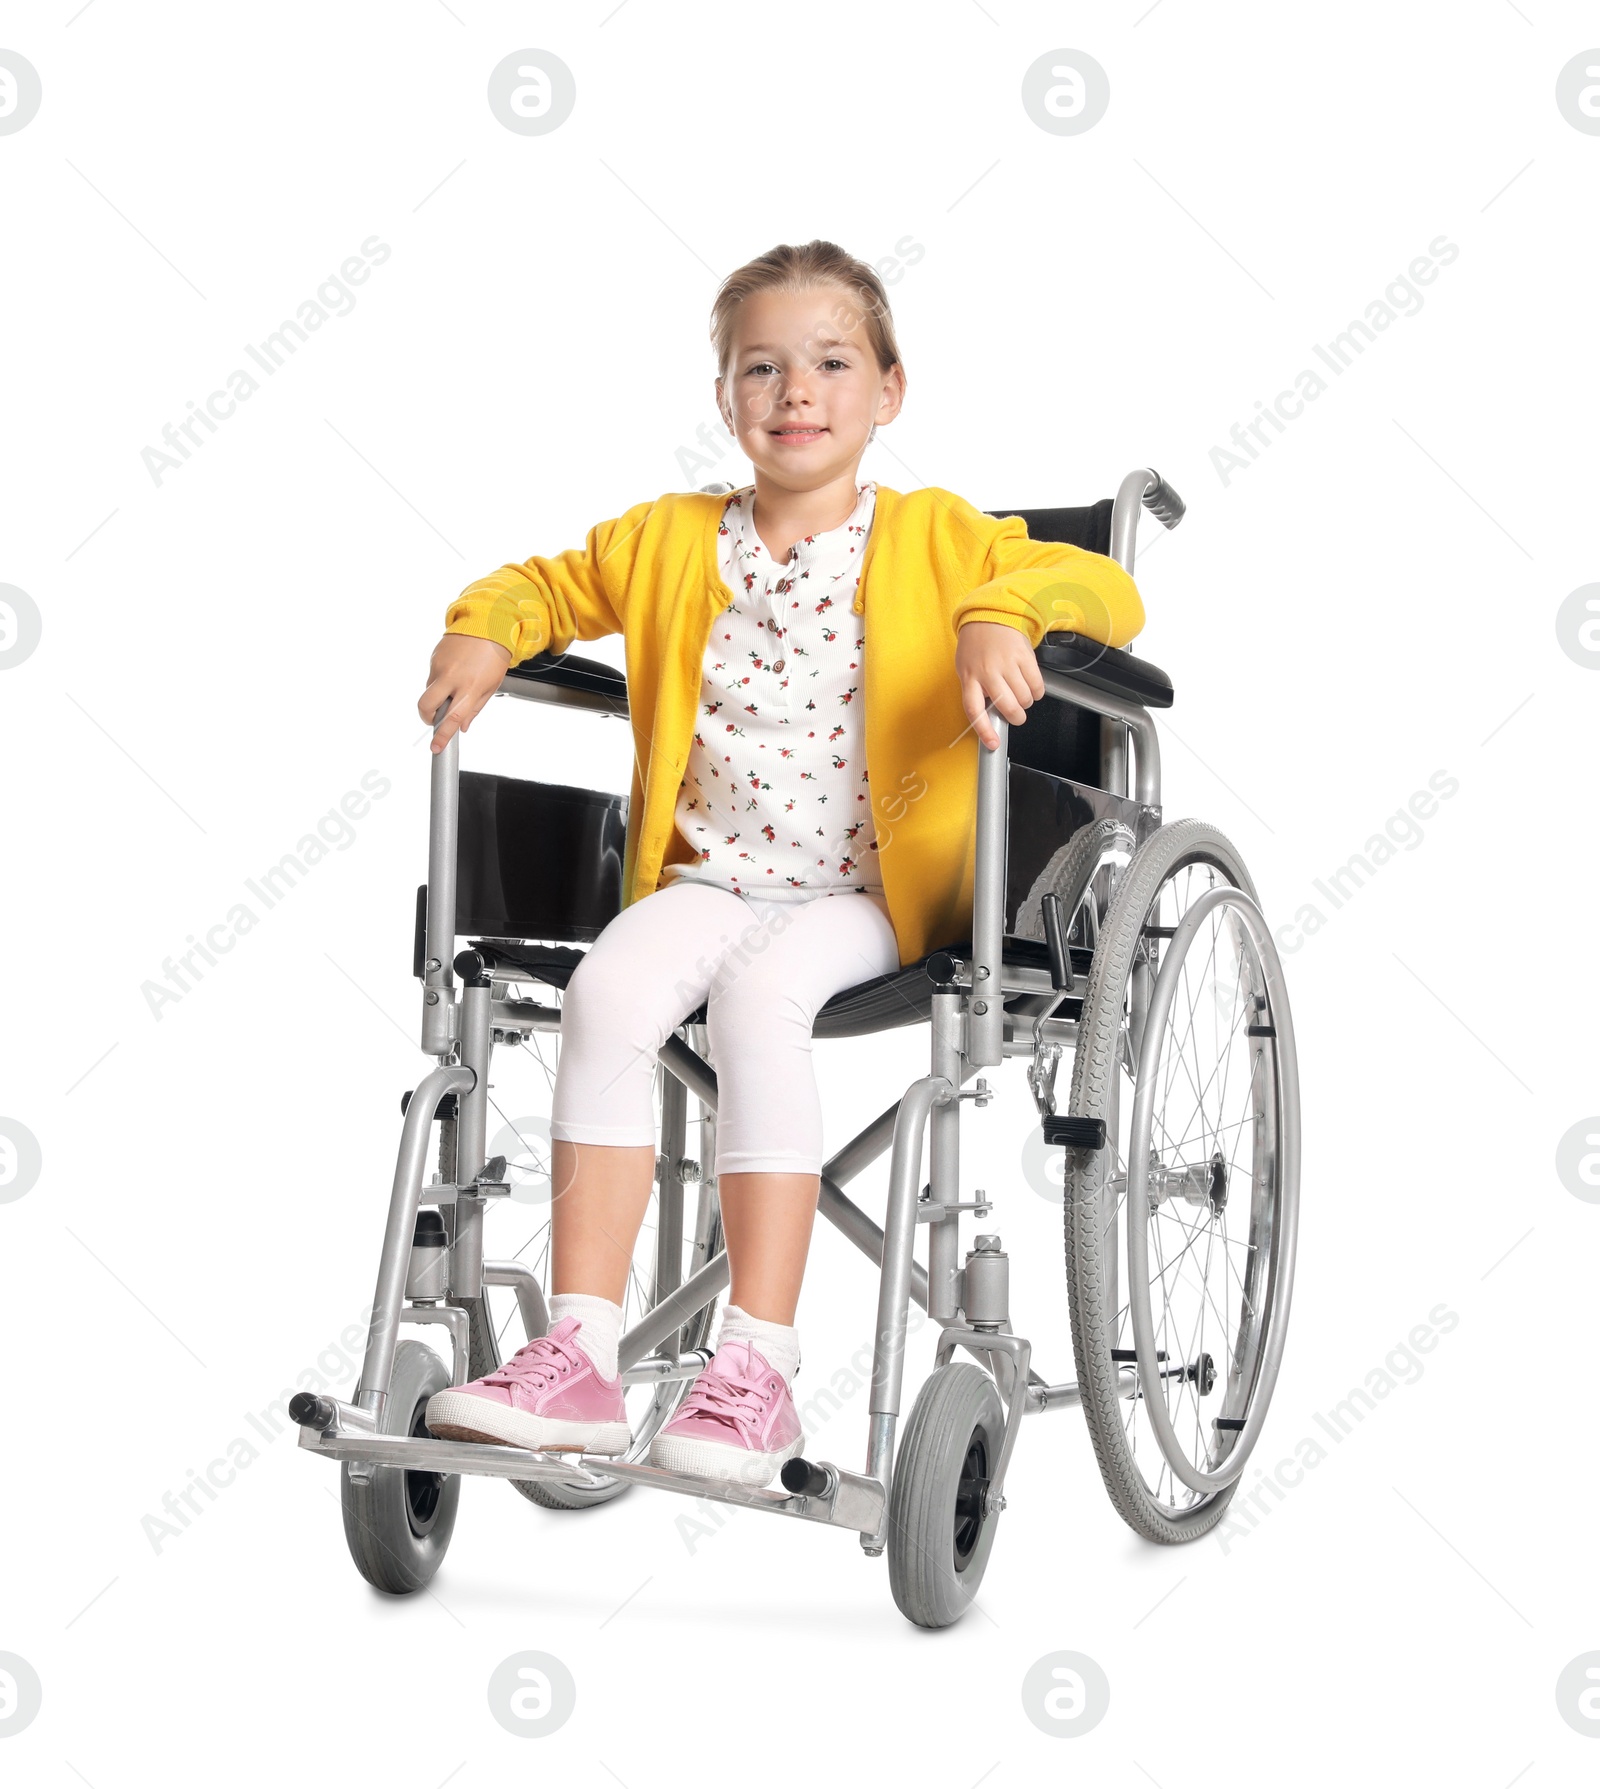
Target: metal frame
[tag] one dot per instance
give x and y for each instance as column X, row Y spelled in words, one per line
column 970, row 1031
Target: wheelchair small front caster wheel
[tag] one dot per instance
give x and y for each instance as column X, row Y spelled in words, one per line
column 398, row 1524
column 941, row 1528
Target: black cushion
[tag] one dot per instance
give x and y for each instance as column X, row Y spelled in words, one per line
column 570, row 671
column 1109, row 668
column 882, row 1003
column 1112, row 669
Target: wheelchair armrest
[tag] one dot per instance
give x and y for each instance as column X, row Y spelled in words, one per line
column 1107, row 668
column 567, row 670
column 1112, row 669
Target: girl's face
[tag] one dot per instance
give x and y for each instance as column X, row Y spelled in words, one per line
column 803, row 388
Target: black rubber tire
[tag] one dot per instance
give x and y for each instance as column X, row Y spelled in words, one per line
column 398, row 1524
column 1094, row 1060
column 937, row 1553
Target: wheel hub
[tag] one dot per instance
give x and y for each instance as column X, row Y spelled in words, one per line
column 422, row 1488
column 972, row 1492
column 1219, row 1185
column 1196, row 1183
column 1203, row 1373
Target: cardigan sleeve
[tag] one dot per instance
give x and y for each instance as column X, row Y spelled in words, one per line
column 1045, row 586
column 546, row 604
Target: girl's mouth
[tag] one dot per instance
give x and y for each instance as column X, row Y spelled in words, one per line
column 797, row 435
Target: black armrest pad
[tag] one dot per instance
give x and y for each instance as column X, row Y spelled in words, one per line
column 1106, row 668
column 568, row 671
column 1109, row 668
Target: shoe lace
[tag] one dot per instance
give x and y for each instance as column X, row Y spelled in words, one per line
column 539, row 1362
column 723, row 1391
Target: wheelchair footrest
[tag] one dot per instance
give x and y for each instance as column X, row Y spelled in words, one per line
column 1075, row 1133
column 841, row 1500
column 845, row 1500
column 418, row 1453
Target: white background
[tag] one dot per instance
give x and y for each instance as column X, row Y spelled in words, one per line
column 226, row 652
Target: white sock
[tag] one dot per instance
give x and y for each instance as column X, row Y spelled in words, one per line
column 779, row 1342
column 601, row 1322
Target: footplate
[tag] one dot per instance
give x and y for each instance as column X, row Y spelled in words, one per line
column 420, row 1454
column 850, row 1500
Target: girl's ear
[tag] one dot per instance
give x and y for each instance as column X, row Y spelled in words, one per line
column 894, row 393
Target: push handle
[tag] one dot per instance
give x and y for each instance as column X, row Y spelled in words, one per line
column 1149, row 490
column 1163, row 502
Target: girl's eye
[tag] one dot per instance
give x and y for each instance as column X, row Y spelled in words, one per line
column 766, row 366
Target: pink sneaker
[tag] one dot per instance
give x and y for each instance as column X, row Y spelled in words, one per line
column 547, row 1397
column 737, row 1424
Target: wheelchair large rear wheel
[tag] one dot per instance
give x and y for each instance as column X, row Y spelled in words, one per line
column 1180, row 1230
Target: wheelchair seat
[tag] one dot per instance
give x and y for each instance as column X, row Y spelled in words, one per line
column 883, row 1003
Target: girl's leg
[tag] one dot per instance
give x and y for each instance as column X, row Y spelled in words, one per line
column 766, row 1223
column 649, row 968
column 738, row 1422
column 763, row 1001
column 601, row 1193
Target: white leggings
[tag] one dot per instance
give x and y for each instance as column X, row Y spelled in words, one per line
column 763, row 967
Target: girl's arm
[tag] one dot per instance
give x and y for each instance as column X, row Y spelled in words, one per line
column 994, row 663
column 546, row 604
column 1034, row 587
column 1045, row 586
column 521, row 610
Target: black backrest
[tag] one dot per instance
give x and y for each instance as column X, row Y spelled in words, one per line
column 1090, row 528
column 537, row 860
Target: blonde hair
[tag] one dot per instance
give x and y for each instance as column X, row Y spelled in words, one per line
column 791, row 268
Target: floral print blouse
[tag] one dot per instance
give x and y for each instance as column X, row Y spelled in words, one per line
column 774, row 797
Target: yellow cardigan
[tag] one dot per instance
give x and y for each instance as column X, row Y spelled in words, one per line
column 932, row 564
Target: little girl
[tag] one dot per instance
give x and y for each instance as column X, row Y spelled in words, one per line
column 801, row 819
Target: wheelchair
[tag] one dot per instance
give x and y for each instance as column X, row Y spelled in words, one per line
column 1098, row 928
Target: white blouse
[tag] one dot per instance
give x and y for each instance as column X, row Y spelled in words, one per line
column 774, row 797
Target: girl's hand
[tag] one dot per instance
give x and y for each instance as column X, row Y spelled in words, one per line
column 995, row 663
column 466, row 672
